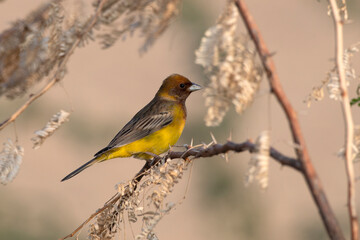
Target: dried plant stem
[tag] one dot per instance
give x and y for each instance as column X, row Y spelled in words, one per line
column 57, row 75
column 113, row 200
column 349, row 125
column 308, row 170
column 27, row 103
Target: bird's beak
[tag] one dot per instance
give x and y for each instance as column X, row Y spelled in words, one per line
column 194, row 87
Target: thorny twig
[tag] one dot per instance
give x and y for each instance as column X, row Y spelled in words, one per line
column 349, row 125
column 217, row 149
column 57, row 75
column 308, row 170
column 201, row 151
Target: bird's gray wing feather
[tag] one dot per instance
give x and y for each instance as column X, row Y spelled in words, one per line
column 139, row 127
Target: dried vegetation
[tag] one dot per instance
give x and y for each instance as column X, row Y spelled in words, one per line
column 230, row 62
column 331, row 82
column 143, row 202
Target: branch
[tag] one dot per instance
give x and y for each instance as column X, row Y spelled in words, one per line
column 308, row 169
column 57, row 75
column 349, row 125
column 195, row 152
column 217, row 149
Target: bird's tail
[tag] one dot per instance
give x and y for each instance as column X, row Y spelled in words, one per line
column 80, row 169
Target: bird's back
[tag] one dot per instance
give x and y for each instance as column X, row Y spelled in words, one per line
column 153, row 129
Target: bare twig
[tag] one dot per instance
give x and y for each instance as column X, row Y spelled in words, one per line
column 349, row 125
column 308, row 169
column 57, row 75
column 27, row 103
column 201, row 151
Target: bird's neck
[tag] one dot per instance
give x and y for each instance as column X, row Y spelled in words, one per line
column 166, row 96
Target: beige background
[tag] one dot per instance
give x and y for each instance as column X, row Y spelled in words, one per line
column 105, row 88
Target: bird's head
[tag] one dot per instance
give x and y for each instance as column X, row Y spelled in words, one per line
column 177, row 88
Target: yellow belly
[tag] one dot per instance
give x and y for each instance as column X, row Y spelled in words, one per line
column 157, row 143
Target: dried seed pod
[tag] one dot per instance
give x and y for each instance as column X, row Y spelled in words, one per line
column 230, row 62
column 10, row 161
column 259, row 162
column 55, row 122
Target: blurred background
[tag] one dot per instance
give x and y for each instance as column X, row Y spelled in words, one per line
column 105, row 88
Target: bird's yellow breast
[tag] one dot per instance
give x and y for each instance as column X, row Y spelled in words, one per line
column 157, row 142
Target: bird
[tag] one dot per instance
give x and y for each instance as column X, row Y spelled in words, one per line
column 154, row 129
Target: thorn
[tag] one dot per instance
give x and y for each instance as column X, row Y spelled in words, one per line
column 213, row 138
column 295, row 145
column 270, row 54
column 230, row 137
column 198, row 146
column 208, row 145
column 152, row 154
column 182, row 155
column 192, row 142
column 170, row 148
column 226, row 157
column 348, row 21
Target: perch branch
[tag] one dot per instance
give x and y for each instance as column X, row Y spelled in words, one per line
column 308, row 170
column 195, row 152
column 56, row 77
column 349, row 125
column 217, row 149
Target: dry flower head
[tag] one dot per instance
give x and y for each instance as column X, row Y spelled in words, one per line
column 230, row 62
column 55, row 122
column 342, row 9
column 357, row 142
column 145, row 202
column 10, row 160
column 121, row 18
column 332, row 82
column 33, row 47
column 259, row 161
column 355, row 147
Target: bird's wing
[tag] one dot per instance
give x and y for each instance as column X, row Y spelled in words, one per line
column 138, row 128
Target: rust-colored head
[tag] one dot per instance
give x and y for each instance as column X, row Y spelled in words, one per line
column 177, row 88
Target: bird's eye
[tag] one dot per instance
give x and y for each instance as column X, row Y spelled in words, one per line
column 182, row 85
